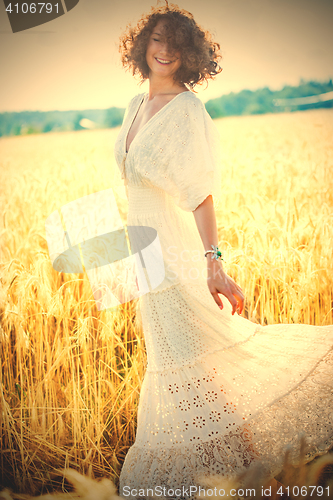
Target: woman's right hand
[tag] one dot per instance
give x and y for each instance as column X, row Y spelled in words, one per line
column 219, row 282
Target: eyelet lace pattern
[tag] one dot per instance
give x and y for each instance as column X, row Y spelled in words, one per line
column 221, row 393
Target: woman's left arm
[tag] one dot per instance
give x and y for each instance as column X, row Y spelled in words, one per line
column 218, row 280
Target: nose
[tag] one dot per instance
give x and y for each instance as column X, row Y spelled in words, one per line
column 166, row 50
column 164, row 44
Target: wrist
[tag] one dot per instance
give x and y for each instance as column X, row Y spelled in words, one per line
column 214, row 264
column 212, row 260
column 214, row 254
column 215, row 269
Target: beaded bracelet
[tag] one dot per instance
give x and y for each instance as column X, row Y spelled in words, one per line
column 216, row 253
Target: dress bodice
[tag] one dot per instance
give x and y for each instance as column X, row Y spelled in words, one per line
column 177, row 150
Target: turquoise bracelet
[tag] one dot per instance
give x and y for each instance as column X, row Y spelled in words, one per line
column 216, row 253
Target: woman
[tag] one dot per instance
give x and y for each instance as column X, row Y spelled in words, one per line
column 220, row 392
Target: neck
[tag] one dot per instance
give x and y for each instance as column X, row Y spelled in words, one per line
column 160, row 85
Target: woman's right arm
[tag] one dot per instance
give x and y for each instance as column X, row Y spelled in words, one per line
column 218, row 280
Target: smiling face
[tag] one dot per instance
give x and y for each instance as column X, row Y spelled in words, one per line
column 160, row 58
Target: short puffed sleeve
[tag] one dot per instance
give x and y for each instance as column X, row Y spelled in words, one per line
column 186, row 160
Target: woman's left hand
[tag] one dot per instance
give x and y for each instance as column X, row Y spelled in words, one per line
column 219, row 282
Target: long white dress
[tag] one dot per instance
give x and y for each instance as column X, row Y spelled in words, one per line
column 219, row 392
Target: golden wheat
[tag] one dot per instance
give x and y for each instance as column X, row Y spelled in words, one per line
column 71, row 375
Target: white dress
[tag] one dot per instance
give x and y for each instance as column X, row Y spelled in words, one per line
column 219, row 392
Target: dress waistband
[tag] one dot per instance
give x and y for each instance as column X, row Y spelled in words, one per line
column 146, row 200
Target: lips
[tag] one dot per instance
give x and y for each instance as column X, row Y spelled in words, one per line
column 163, row 61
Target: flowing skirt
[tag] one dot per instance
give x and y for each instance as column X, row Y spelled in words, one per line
column 221, row 393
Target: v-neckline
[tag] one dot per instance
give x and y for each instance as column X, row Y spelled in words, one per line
column 150, row 119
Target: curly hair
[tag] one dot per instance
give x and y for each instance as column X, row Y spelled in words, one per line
column 199, row 54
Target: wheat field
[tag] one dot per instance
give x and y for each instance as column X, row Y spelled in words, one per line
column 71, row 374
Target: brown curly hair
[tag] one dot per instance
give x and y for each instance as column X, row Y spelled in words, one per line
column 199, row 54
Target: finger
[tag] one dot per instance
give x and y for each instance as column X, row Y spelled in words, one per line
column 217, row 299
column 240, row 299
column 239, row 303
column 230, row 296
column 232, row 301
column 241, row 307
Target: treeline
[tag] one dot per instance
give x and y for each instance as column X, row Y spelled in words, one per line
column 246, row 102
column 38, row 122
column 264, row 100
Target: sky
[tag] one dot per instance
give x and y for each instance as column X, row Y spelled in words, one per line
column 73, row 63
